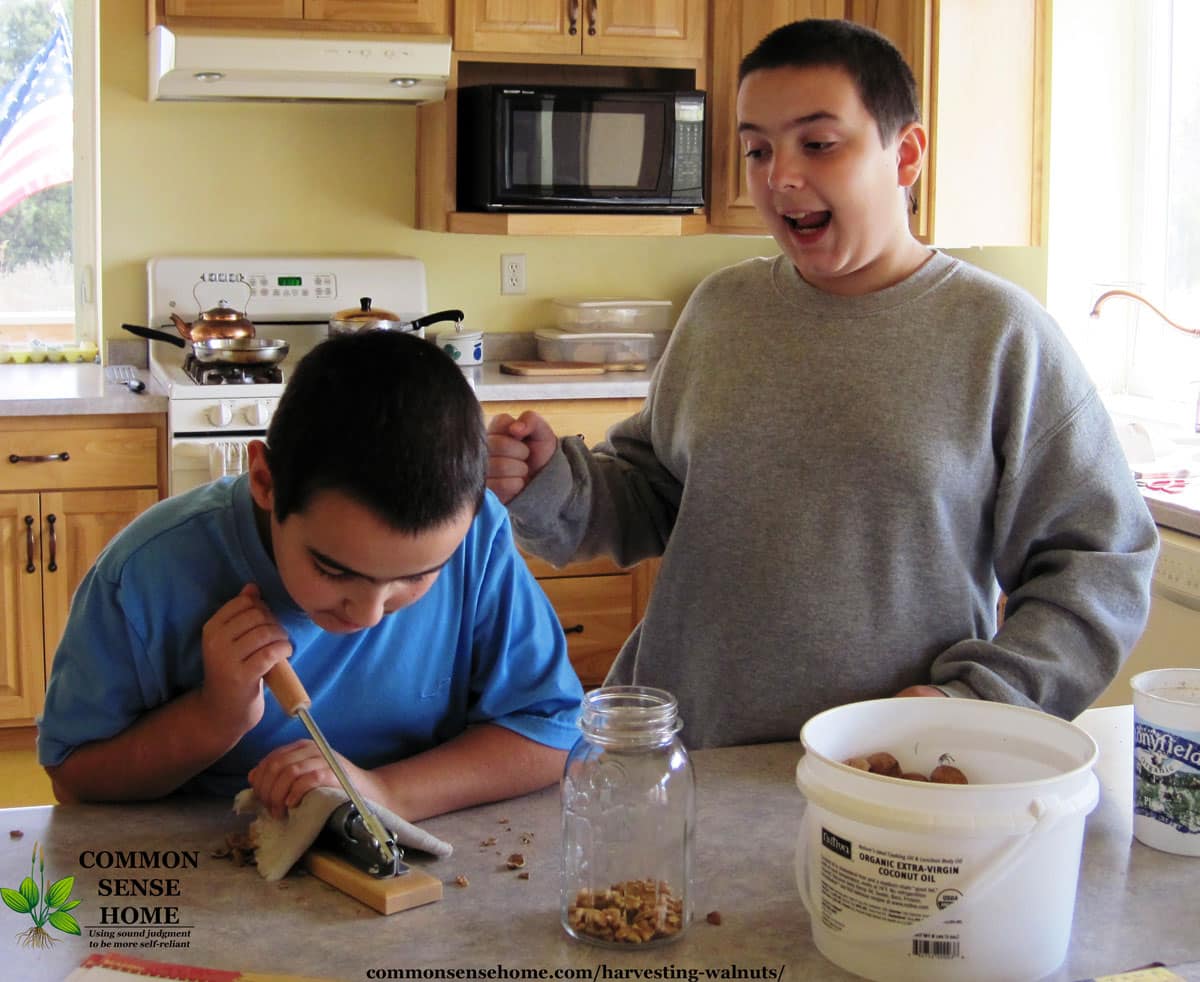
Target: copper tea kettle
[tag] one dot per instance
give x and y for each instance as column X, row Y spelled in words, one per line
column 220, row 322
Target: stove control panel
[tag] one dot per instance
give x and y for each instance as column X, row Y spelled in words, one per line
column 218, row 415
column 285, row 288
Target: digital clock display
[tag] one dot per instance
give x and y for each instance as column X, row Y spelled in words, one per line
column 288, row 281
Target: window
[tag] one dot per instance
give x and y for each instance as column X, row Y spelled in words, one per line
column 1125, row 195
column 48, row 179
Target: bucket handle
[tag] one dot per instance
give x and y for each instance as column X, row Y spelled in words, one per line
column 1046, row 814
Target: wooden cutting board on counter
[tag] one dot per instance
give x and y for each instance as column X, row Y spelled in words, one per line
column 568, row 367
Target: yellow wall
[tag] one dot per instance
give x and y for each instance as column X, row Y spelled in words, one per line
column 271, row 178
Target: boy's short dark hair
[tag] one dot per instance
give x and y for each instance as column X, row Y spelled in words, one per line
column 885, row 82
column 385, row 418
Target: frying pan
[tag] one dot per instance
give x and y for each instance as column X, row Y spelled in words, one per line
column 222, row 351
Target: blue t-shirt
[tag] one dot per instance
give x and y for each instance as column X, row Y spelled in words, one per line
column 483, row 645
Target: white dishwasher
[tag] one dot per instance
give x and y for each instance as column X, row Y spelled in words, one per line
column 1172, row 635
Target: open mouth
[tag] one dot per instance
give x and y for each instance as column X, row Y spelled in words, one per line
column 808, row 221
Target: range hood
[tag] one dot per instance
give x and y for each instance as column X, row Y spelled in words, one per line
column 199, row 66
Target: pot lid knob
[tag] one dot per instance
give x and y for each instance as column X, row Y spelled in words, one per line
column 365, row 312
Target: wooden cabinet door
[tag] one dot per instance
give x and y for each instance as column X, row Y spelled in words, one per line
column 667, row 29
column 597, row 613
column 741, row 24
column 263, row 9
column 22, row 665
column 540, row 27
column 76, row 525
column 401, row 16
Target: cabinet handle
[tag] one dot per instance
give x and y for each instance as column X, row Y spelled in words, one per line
column 29, row 567
column 592, row 18
column 53, row 566
column 577, row 629
column 572, row 17
column 14, row 458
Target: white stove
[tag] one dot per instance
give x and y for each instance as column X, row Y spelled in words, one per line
column 290, row 298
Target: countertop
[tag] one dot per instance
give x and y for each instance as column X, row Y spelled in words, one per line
column 68, row 389
column 1134, row 906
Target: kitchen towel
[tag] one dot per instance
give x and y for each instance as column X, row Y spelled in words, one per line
column 279, row 843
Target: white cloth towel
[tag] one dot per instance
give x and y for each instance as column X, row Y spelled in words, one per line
column 280, row 842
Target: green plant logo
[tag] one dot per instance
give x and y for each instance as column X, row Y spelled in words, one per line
column 42, row 905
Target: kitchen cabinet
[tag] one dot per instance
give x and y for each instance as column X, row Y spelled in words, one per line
column 391, row 16
column 979, row 66
column 568, row 28
column 75, row 483
column 598, row 602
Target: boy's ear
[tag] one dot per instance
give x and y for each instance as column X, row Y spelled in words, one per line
column 262, row 488
column 910, row 154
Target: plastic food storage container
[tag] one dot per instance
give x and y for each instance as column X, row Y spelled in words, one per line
column 609, row 347
column 599, row 316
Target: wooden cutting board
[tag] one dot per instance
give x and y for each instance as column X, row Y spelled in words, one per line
column 568, row 367
column 395, row 893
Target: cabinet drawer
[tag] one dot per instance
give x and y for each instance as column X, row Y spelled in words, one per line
column 543, row 570
column 82, row 458
column 597, row 612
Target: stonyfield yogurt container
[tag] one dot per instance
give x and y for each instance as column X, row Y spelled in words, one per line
column 1166, row 759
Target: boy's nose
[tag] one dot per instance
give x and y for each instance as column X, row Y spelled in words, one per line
column 365, row 608
column 785, row 173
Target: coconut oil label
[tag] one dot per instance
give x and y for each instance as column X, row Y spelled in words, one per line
column 1167, row 776
column 883, row 886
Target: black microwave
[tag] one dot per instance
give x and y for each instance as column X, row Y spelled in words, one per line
column 572, row 148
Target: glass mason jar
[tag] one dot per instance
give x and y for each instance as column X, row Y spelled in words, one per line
column 628, row 820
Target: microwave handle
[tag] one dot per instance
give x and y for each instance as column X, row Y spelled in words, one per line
column 592, row 13
column 572, row 17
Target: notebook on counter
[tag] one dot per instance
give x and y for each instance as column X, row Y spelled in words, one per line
column 116, row 967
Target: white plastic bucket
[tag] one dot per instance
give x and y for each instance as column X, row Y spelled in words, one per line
column 905, row 880
column 1166, row 759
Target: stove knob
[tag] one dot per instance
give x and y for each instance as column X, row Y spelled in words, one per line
column 256, row 414
column 221, row 414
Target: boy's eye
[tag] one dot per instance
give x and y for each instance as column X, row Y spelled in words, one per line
column 753, row 153
column 818, row 146
column 329, row 574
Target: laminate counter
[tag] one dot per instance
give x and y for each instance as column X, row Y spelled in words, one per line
column 1134, row 906
column 72, row 389
column 65, row 389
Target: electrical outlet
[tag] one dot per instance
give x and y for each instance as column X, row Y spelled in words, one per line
column 512, row 273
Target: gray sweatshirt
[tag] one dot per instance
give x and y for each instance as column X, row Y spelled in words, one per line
column 840, row 486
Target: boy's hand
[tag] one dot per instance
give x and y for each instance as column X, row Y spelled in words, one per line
column 517, row 450
column 240, row 642
column 920, row 690
column 283, row 777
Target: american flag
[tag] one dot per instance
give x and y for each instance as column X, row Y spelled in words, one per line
column 36, row 133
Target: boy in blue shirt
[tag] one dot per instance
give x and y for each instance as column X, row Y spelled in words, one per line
column 362, row 546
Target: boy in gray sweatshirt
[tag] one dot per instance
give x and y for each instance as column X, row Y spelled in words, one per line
column 850, row 449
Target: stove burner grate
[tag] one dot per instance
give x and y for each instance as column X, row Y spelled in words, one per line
column 210, row 374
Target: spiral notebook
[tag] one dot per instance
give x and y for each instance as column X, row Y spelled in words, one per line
column 116, row 967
